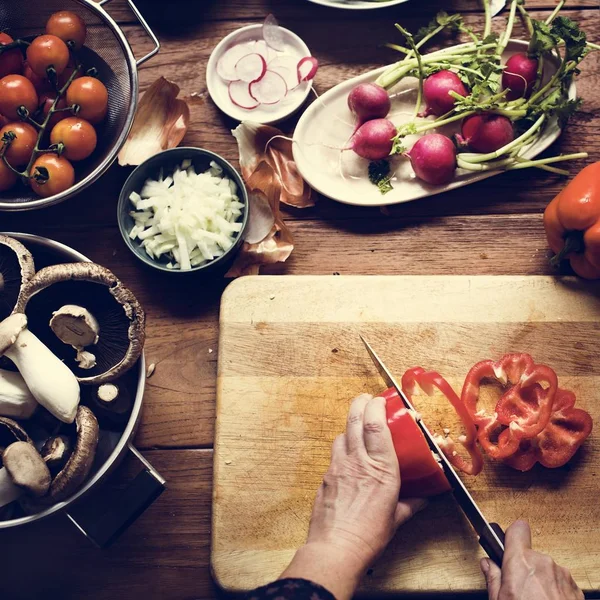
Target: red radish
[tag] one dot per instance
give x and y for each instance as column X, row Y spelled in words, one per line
column 270, row 89
column 261, row 47
column 273, row 34
column 250, row 67
column 227, row 62
column 286, row 67
column 436, row 90
column 369, row 101
column 486, row 132
column 307, row 68
column 519, row 75
column 239, row 94
column 374, row 139
column 433, row 158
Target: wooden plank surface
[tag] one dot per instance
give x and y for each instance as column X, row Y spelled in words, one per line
column 287, row 368
column 491, row 228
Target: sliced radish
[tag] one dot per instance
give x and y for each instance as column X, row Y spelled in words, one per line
column 227, row 62
column 286, row 66
column 239, row 94
column 250, row 67
column 270, row 89
column 273, row 34
column 307, row 68
column 265, row 51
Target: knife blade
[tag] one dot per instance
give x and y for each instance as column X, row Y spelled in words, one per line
column 491, row 535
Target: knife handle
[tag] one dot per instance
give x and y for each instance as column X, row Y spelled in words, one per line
column 490, row 544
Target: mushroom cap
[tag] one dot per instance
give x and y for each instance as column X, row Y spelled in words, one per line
column 16, row 269
column 10, row 329
column 11, row 432
column 120, row 317
column 56, row 452
column 27, row 468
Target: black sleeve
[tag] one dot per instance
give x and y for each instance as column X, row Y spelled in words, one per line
column 291, row 589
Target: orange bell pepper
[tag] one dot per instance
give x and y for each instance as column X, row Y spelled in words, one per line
column 572, row 223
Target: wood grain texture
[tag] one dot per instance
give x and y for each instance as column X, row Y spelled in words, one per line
column 289, row 361
column 164, row 555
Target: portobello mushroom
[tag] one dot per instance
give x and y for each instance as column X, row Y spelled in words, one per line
column 87, row 317
column 16, row 269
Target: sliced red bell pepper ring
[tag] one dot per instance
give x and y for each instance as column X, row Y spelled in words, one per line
column 516, row 416
column 556, row 445
column 420, row 473
column 427, row 381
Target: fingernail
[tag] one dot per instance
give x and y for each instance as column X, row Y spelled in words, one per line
column 485, row 565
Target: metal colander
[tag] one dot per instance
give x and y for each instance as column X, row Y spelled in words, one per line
column 107, row 49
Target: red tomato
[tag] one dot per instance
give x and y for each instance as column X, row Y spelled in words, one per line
column 61, row 175
column 40, row 84
column 7, row 177
column 46, row 102
column 420, row 473
column 16, row 91
column 92, row 97
column 11, row 61
column 20, row 149
column 47, row 51
column 68, row 26
column 78, row 137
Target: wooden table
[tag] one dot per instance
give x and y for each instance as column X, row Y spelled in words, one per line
column 493, row 227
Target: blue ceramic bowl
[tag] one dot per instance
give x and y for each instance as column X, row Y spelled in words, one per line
column 168, row 160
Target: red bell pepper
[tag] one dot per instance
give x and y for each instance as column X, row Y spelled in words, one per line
column 427, row 381
column 420, row 472
column 567, row 429
column 517, row 415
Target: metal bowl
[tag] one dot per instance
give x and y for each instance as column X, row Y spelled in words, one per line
column 168, row 160
column 113, row 445
column 107, row 49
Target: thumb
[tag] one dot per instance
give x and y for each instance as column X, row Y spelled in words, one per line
column 493, row 576
column 408, row 508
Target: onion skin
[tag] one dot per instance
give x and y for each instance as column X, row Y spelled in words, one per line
column 486, row 132
column 435, row 92
column 433, row 158
column 519, row 76
column 374, row 139
column 369, row 101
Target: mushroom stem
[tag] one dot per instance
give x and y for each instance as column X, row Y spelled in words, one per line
column 75, row 326
column 9, row 492
column 50, row 381
column 16, row 400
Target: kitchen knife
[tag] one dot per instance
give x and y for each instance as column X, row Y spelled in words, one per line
column 491, row 536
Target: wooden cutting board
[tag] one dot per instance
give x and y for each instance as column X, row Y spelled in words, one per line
column 290, row 360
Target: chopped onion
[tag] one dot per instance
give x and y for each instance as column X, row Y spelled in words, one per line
column 187, row 219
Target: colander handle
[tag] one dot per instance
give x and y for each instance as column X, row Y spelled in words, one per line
column 147, row 29
column 104, row 528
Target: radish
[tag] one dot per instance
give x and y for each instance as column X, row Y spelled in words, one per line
column 227, row 62
column 285, row 66
column 369, row 101
column 270, row 89
column 307, row 68
column 486, row 132
column 261, row 47
column 251, row 67
column 374, row 139
column 435, row 92
column 519, row 75
column 433, row 158
column 272, row 34
column 239, row 94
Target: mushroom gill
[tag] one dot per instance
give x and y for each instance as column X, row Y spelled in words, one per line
column 16, row 269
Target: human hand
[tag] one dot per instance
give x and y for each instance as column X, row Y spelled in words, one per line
column 526, row 573
column 356, row 511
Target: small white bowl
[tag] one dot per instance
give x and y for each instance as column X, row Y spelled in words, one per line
column 356, row 5
column 218, row 88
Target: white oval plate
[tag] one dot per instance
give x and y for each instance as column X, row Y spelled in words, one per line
column 218, row 88
column 326, row 126
column 356, row 4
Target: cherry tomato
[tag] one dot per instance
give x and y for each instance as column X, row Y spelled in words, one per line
column 40, row 84
column 47, row 51
column 20, row 149
column 67, row 26
column 61, row 175
column 11, row 61
column 7, row 177
column 78, row 137
column 16, row 91
column 92, row 97
column 46, row 102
